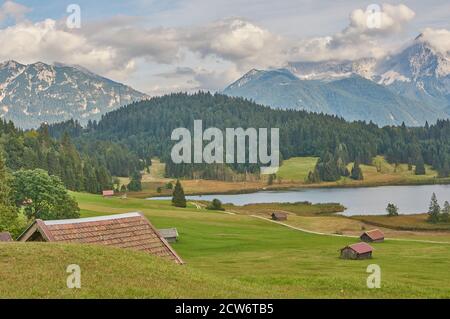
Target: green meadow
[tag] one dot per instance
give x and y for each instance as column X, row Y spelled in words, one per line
column 226, row 255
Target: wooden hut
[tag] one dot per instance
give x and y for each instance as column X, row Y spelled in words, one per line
column 372, row 236
column 130, row 231
column 357, row 251
column 108, row 193
column 169, row 234
column 279, row 216
column 5, row 236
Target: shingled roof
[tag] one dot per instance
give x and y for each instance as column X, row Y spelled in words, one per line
column 360, row 248
column 131, row 230
column 375, row 234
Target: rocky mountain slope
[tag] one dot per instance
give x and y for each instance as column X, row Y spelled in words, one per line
column 412, row 86
column 39, row 92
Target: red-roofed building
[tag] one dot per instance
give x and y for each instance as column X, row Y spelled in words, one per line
column 131, row 231
column 108, row 193
column 372, row 236
column 357, row 251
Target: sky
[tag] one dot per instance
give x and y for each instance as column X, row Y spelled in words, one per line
column 166, row 46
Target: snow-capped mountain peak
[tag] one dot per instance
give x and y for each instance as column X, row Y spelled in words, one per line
column 332, row 69
column 413, row 84
column 39, row 92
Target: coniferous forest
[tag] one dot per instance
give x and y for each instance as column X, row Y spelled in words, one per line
column 123, row 141
column 145, row 127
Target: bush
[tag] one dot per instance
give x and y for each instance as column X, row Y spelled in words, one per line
column 216, row 204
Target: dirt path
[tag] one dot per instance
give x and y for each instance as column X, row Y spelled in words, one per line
column 348, row 236
column 196, row 205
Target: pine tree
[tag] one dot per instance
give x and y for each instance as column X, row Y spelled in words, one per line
column 434, row 211
column 357, row 173
column 392, row 210
column 445, row 217
column 178, row 198
column 313, row 177
column 135, row 184
column 420, row 167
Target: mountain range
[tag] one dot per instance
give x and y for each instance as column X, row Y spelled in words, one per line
column 35, row 93
column 412, row 86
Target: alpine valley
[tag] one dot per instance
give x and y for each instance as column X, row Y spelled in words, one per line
column 412, row 86
column 39, row 92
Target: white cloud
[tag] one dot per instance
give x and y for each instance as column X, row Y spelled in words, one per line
column 47, row 41
column 365, row 36
column 236, row 40
column 13, row 10
column 120, row 46
column 438, row 39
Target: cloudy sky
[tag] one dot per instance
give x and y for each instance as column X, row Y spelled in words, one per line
column 172, row 45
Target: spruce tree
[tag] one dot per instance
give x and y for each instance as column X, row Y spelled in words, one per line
column 420, row 167
column 392, row 210
column 178, row 198
column 357, row 173
column 434, row 211
column 135, row 184
column 445, row 217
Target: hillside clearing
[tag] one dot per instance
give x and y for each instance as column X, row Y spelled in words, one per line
column 38, row 270
column 292, row 263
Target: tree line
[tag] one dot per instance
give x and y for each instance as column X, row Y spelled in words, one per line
column 36, row 149
column 145, row 129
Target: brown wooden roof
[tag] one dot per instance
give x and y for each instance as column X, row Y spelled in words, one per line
column 132, row 231
column 5, row 236
column 375, row 234
column 360, row 248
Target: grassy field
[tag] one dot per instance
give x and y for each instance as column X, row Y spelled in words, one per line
column 38, row 270
column 292, row 174
column 297, row 168
column 262, row 258
column 379, row 173
column 300, row 208
column 404, row 222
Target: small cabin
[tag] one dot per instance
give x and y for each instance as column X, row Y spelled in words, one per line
column 279, row 216
column 357, row 251
column 5, row 236
column 169, row 234
column 372, row 236
column 108, row 193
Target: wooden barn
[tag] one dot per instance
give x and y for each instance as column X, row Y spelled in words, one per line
column 130, row 231
column 108, row 193
column 169, row 234
column 357, row 251
column 279, row 216
column 5, row 236
column 372, row 236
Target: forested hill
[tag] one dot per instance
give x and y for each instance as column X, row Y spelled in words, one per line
column 89, row 169
column 145, row 128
